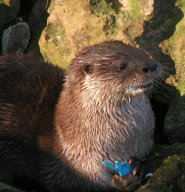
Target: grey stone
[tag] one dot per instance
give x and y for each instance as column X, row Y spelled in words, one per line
column 7, row 15
column 7, row 188
column 15, row 38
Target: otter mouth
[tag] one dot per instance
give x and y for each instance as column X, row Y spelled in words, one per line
column 143, row 86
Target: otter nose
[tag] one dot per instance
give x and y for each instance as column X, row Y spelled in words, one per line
column 150, row 67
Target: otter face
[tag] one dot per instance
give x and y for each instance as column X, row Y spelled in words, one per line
column 117, row 68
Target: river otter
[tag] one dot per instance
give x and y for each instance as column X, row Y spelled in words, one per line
column 58, row 128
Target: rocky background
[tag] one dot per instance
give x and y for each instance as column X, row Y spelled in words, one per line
column 54, row 30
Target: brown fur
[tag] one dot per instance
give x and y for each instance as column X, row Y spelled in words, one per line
column 96, row 118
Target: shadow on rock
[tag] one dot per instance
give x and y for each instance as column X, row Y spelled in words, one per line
column 161, row 27
column 37, row 21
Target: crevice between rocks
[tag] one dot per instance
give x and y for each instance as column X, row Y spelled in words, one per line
column 160, row 110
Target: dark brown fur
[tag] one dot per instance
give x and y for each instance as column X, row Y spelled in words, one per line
column 61, row 141
column 29, row 90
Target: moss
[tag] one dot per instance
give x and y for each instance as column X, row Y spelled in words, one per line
column 119, row 20
column 181, row 183
column 135, row 9
column 110, row 28
column 55, row 46
column 107, row 7
column 169, row 177
column 55, row 34
column 4, row 2
column 174, row 46
column 89, row 22
column 181, row 87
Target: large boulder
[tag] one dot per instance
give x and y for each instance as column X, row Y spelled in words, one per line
column 75, row 24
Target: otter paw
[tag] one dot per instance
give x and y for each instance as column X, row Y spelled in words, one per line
column 137, row 166
column 126, row 183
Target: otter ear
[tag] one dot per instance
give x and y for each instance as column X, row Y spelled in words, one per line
column 87, row 69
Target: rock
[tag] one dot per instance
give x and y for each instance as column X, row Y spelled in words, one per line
column 15, row 4
column 174, row 46
column 15, row 38
column 167, row 163
column 70, row 28
column 37, row 22
column 163, row 37
column 7, row 16
column 26, row 8
column 157, row 30
column 174, row 126
column 7, row 188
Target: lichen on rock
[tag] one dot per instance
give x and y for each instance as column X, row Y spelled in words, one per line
column 54, row 41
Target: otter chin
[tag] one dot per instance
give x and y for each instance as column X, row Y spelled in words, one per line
column 58, row 127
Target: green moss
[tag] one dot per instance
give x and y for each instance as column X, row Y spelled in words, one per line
column 181, row 87
column 174, row 46
column 103, row 6
column 55, row 46
column 181, row 183
column 135, row 9
column 168, row 177
column 110, row 9
column 110, row 27
column 3, row 1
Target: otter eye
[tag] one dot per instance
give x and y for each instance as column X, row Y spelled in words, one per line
column 87, row 68
column 122, row 65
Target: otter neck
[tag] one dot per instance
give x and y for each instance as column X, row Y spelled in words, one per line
column 88, row 112
column 91, row 130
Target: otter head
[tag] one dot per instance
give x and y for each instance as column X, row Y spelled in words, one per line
column 113, row 68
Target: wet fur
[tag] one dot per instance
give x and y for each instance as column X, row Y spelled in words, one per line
column 60, row 133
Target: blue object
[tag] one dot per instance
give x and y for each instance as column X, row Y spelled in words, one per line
column 123, row 168
column 131, row 89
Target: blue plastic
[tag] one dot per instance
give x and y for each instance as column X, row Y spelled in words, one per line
column 123, row 168
column 132, row 89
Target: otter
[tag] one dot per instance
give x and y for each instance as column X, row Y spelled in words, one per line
column 57, row 127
